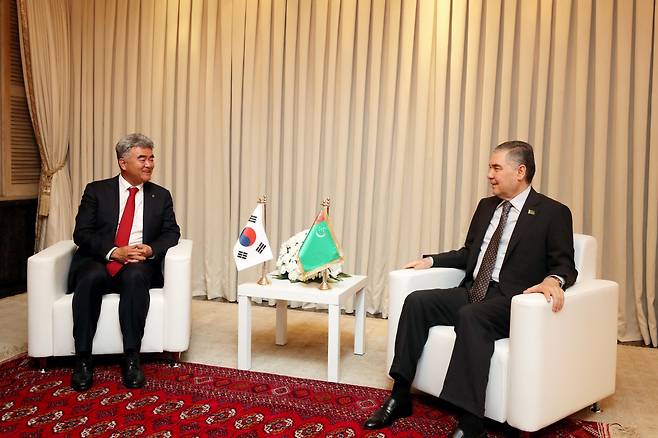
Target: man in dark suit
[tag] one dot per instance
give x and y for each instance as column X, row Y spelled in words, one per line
column 123, row 229
column 519, row 241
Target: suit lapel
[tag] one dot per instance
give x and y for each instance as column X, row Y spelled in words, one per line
column 483, row 224
column 527, row 217
column 149, row 199
column 488, row 213
column 114, row 207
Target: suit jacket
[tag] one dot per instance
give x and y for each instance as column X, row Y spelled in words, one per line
column 98, row 218
column 541, row 245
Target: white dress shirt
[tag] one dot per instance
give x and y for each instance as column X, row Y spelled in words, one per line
column 136, row 232
column 513, row 216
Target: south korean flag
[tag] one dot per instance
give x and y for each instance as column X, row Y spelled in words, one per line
column 252, row 246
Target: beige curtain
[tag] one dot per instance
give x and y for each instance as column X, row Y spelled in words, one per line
column 388, row 107
column 45, row 35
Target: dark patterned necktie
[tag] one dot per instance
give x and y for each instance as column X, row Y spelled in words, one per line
column 479, row 289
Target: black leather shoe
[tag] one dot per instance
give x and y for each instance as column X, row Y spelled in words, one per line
column 83, row 374
column 390, row 411
column 459, row 433
column 133, row 376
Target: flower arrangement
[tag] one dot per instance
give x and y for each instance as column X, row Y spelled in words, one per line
column 287, row 264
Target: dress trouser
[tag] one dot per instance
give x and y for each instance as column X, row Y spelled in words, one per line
column 132, row 283
column 477, row 326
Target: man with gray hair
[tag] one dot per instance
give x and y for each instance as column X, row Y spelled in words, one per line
column 123, row 229
column 519, row 241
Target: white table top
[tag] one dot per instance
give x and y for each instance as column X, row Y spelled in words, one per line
column 306, row 292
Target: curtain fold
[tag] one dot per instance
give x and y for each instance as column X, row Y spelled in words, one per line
column 45, row 36
column 390, row 108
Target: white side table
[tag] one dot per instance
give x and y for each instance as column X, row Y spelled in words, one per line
column 283, row 291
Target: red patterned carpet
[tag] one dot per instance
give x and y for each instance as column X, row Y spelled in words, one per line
column 200, row 400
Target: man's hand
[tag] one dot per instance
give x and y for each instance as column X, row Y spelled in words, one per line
column 145, row 250
column 550, row 287
column 425, row 263
column 131, row 253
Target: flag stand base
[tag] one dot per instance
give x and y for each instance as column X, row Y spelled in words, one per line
column 324, row 285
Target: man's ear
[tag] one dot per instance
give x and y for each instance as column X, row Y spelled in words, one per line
column 122, row 163
column 521, row 171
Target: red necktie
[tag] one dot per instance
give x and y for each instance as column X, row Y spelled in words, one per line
column 123, row 233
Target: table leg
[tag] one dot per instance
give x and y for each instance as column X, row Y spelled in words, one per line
column 333, row 358
column 281, row 322
column 244, row 333
column 359, row 322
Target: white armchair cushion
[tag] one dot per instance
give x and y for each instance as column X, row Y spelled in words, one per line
column 433, row 363
column 552, row 365
column 50, row 321
column 404, row 281
column 108, row 338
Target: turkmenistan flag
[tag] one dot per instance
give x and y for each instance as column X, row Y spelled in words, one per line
column 320, row 248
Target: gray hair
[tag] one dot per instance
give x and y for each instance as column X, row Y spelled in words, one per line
column 521, row 153
column 130, row 141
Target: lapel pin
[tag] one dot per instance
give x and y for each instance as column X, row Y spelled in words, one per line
column 531, row 212
column 153, row 196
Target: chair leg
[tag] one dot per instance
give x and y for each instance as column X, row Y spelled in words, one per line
column 42, row 364
column 596, row 408
column 175, row 359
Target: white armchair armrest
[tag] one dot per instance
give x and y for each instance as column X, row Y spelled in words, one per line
column 404, row 281
column 47, row 275
column 561, row 362
column 177, row 292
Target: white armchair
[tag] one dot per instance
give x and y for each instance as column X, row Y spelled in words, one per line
column 49, row 308
column 552, row 365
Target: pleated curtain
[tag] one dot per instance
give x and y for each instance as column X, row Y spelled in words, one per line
column 45, row 35
column 390, row 108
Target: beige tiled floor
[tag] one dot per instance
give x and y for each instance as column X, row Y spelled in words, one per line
column 214, row 341
column 634, row 406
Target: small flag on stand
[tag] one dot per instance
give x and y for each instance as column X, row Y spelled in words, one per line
column 320, row 248
column 252, row 246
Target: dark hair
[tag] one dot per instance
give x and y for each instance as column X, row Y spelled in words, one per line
column 521, row 153
column 130, row 141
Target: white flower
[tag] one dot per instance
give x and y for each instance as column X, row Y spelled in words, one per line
column 286, row 263
column 336, row 269
column 293, row 275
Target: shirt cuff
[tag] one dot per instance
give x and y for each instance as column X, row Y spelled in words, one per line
column 559, row 279
column 109, row 254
